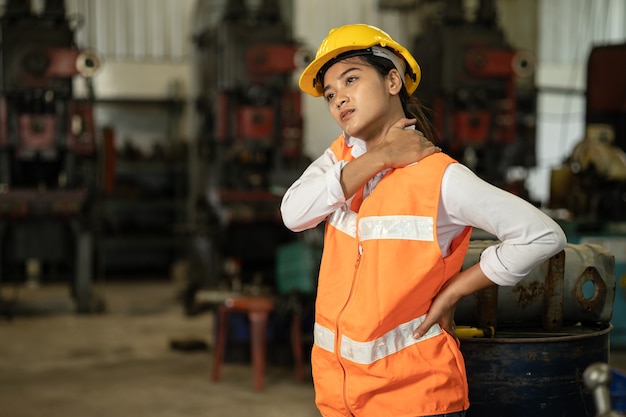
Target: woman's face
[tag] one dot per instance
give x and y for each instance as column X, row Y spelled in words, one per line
column 363, row 103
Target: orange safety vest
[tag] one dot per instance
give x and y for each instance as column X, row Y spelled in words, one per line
column 380, row 269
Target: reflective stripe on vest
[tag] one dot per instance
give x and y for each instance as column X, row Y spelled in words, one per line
column 397, row 227
column 366, row 353
column 323, row 337
column 344, row 221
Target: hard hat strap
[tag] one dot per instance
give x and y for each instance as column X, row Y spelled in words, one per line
column 388, row 54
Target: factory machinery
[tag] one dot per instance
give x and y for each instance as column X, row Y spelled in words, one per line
column 591, row 183
column 478, row 88
column 251, row 133
column 47, row 150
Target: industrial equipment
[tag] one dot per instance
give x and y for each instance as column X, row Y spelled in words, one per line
column 549, row 328
column 251, row 130
column 575, row 286
column 47, row 148
column 598, row 378
column 483, row 114
column 591, row 183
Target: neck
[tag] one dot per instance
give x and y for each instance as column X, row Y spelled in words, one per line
column 381, row 132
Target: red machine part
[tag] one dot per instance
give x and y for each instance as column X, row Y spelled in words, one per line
column 254, row 123
column 483, row 62
column 277, row 124
column 63, row 62
column 472, row 126
column 59, row 63
column 244, row 122
column 265, row 59
column 36, row 133
column 499, row 123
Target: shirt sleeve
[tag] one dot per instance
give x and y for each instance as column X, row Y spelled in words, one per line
column 527, row 235
column 315, row 195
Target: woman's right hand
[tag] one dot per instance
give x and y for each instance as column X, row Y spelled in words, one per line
column 399, row 148
column 402, row 146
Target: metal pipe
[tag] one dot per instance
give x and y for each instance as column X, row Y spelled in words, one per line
column 597, row 377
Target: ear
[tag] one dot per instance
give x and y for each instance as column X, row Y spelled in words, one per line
column 394, row 82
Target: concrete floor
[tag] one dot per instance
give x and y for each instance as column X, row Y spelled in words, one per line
column 55, row 363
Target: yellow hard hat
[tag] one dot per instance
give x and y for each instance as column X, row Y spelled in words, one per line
column 356, row 37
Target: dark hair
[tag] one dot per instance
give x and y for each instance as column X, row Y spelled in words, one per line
column 412, row 107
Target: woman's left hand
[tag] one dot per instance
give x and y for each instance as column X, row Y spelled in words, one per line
column 441, row 311
column 444, row 304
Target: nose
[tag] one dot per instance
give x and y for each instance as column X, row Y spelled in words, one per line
column 341, row 101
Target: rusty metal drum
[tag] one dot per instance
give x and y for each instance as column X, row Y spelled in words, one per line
column 534, row 372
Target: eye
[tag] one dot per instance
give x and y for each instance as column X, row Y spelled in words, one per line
column 351, row 79
column 329, row 97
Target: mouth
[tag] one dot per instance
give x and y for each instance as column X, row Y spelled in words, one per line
column 344, row 115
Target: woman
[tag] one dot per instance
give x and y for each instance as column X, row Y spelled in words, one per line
column 398, row 214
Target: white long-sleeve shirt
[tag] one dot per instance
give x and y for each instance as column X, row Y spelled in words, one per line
column 527, row 235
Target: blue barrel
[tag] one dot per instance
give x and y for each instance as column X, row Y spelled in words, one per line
column 528, row 373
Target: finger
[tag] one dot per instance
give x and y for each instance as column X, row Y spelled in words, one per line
column 404, row 122
column 410, row 122
column 400, row 123
column 422, row 329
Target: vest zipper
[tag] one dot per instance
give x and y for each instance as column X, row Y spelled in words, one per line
column 338, row 333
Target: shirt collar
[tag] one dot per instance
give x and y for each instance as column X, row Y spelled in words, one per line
column 357, row 145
